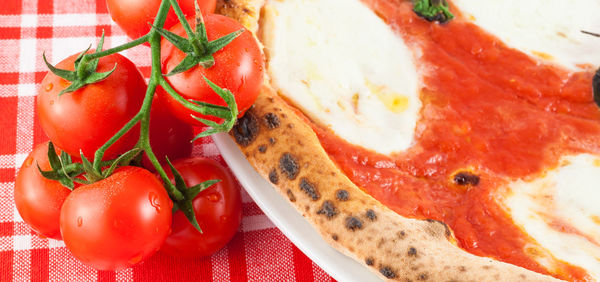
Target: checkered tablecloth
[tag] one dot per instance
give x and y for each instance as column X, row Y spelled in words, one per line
column 258, row 252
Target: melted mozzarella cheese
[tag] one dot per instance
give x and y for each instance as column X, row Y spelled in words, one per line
column 547, row 29
column 561, row 212
column 346, row 70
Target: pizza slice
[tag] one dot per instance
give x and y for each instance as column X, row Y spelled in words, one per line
column 468, row 150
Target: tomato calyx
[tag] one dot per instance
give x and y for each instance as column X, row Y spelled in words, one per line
column 189, row 193
column 67, row 173
column 84, row 73
column 229, row 119
column 93, row 175
column 198, row 48
column 63, row 168
column 228, row 114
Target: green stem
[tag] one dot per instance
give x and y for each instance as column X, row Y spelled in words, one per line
column 73, row 167
column 155, row 77
column 222, row 112
column 89, row 57
column 117, row 49
column 100, row 152
column 186, row 26
column 153, row 37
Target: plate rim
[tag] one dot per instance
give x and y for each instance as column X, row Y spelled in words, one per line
column 293, row 225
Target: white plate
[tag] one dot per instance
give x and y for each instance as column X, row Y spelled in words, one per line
column 288, row 220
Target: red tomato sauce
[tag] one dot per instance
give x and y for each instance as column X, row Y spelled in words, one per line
column 488, row 110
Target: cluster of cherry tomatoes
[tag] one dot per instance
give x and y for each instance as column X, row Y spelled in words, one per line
column 126, row 216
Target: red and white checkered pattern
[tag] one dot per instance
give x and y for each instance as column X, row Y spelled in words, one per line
column 259, row 252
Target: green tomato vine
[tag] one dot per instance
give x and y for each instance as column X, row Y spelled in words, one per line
column 199, row 52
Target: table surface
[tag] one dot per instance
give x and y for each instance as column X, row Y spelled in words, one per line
column 258, row 252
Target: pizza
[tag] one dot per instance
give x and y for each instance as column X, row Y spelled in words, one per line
column 460, row 151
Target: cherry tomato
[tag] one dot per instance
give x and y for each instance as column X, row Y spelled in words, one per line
column 135, row 16
column 169, row 137
column 118, row 221
column 37, row 198
column 238, row 67
column 86, row 118
column 218, row 210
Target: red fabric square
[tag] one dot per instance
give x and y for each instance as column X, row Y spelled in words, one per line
column 44, row 32
column 7, row 175
column 6, row 265
column 8, row 120
column 11, row 7
column 6, row 228
column 10, row 32
column 45, row 7
column 9, row 78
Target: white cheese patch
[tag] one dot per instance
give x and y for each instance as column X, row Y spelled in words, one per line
column 569, row 194
column 549, row 30
column 346, row 69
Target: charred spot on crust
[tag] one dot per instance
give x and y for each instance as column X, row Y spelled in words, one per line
column 401, row 234
column 289, row 166
column 371, row 215
column 262, row 148
column 462, row 268
column 466, row 178
column 353, row 223
column 273, row 176
column 271, row 120
column 369, row 261
column 291, row 195
column 422, row 277
column 342, row 195
column 245, row 130
column 412, row 252
column 328, row 209
column 447, row 231
column 387, row 272
column 272, row 140
column 334, row 237
column 309, row 189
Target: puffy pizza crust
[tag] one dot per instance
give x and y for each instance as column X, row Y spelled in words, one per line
column 284, row 149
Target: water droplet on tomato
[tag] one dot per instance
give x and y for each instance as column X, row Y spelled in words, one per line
column 213, row 197
column 116, row 223
column 154, row 201
column 135, row 259
column 223, row 218
column 28, row 162
column 49, row 87
column 79, row 221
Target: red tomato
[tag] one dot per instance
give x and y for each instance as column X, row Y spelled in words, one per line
column 169, row 137
column 218, row 210
column 135, row 16
column 37, row 198
column 87, row 118
column 238, row 67
column 116, row 222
